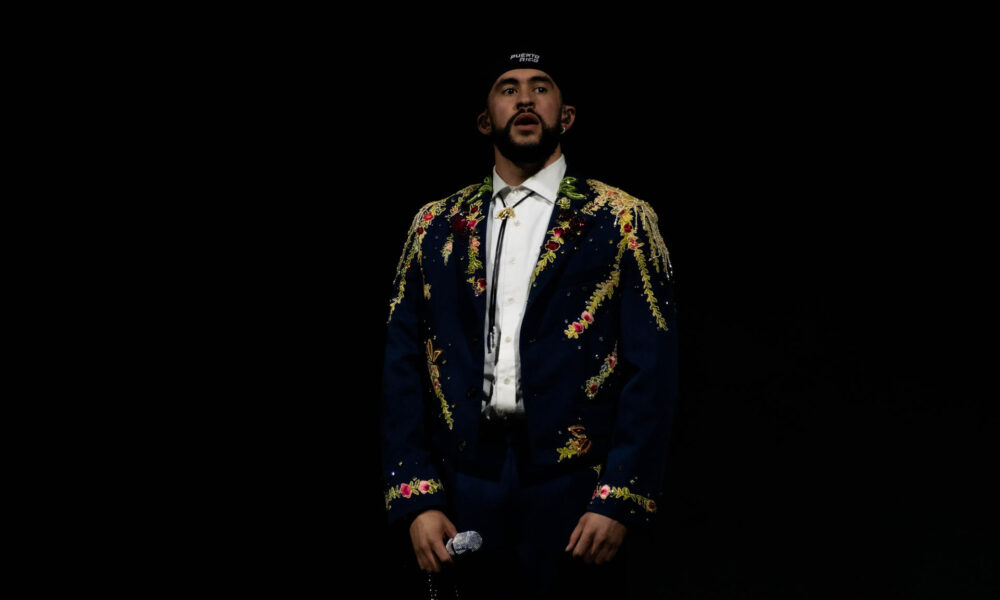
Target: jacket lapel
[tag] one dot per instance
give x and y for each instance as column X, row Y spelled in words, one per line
column 469, row 253
column 567, row 224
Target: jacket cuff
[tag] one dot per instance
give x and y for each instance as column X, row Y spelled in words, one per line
column 633, row 510
column 407, row 499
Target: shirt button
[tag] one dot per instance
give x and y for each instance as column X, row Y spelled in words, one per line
column 517, row 223
column 506, row 380
column 511, row 299
column 509, row 339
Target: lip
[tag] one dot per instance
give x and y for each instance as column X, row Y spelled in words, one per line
column 527, row 120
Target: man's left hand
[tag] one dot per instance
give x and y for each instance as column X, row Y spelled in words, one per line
column 596, row 538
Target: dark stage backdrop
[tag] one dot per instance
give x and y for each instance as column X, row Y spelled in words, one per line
column 813, row 449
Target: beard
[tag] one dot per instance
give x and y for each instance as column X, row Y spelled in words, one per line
column 529, row 153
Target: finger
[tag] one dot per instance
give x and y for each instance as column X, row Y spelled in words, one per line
column 427, row 564
column 583, row 545
column 441, row 553
column 449, row 528
column 597, row 545
column 573, row 537
column 605, row 554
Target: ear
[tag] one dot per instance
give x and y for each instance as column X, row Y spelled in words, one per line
column 484, row 123
column 568, row 116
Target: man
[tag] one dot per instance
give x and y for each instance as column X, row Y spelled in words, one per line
column 530, row 365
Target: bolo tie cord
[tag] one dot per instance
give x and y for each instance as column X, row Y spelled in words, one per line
column 496, row 275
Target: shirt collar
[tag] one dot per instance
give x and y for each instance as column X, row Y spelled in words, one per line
column 544, row 183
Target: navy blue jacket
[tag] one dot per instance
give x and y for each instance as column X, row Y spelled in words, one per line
column 598, row 349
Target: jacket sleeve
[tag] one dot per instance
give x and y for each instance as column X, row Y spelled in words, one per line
column 630, row 486
column 412, row 482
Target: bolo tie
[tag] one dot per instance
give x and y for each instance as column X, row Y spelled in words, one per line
column 504, row 215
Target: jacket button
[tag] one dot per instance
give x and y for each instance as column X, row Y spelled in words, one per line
column 462, row 446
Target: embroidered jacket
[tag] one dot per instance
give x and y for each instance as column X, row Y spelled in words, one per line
column 598, row 346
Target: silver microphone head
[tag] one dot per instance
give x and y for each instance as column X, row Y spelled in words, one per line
column 465, row 541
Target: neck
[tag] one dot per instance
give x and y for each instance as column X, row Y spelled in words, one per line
column 516, row 173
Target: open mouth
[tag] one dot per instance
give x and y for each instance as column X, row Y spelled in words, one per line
column 526, row 121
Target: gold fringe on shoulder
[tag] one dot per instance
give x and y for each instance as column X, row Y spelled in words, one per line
column 658, row 249
column 647, row 217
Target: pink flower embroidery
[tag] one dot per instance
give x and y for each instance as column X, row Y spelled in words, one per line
column 424, row 486
column 404, row 489
column 611, row 361
column 605, row 491
column 587, row 316
column 594, row 495
column 428, row 216
column 475, row 243
column 557, row 232
column 593, row 388
column 471, row 223
column 633, row 244
column 577, row 327
column 650, row 506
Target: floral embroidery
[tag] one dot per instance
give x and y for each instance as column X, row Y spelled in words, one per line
column 629, row 239
column 435, row 374
column 414, row 488
column 578, row 445
column 427, row 291
column 412, row 247
column 603, row 291
column 623, row 493
column 597, row 468
column 607, row 367
column 647, row 216
column 568, row 226
column 464, row 222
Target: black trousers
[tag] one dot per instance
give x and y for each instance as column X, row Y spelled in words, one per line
column 525, row 515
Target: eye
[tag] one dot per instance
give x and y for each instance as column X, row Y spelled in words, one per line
column 506, row 89
column 542, row 88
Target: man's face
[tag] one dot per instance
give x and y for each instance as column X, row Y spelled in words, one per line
column 524, row 110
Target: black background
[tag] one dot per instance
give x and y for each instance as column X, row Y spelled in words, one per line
column 816, row 447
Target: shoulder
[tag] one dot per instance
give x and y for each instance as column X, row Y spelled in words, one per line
column 613, row 200
column 427, row 212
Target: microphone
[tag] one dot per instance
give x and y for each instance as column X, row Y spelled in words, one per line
column 464, row 542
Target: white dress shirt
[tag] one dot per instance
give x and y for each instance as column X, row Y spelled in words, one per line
column 522, row 242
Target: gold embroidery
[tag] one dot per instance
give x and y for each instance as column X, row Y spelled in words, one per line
column 625, row 205
column 568, row 224
column 607, row 367
column 435, row 373
column 466, row 224
column 446, row 249
column 412, row 247
column 623, row 493
column 578, row 445
column 604, row 291
column 506, row 212
column 647, row 216
column 414, row 488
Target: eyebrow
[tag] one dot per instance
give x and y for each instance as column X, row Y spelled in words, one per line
column 512, row 80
